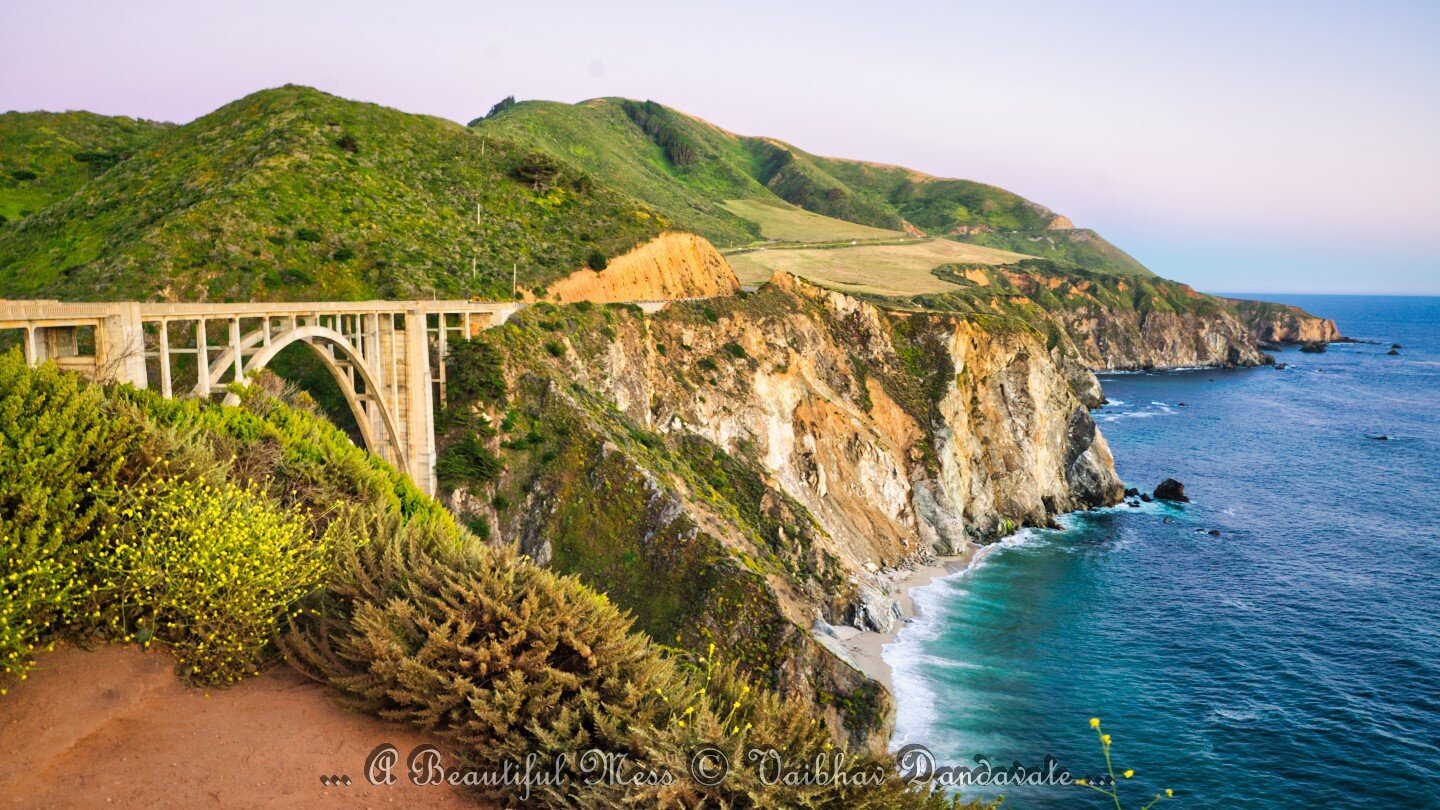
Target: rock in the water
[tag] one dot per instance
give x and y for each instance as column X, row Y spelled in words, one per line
column 1396, row 346
column 1393, row 352
column 1133, row 504
column 1132, row 492
column 1214, row 532
column 1182, row 404
column 1281, row 366
column 1171, row 490
column 1315, row 347
column 1169, row 519
column 1146, row 497
column 1380, row 438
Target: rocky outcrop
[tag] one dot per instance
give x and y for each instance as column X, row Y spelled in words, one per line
column 1112, row 339
column 735, row 469
column 1170, row 490
column 673, row 265
column 1274, row 323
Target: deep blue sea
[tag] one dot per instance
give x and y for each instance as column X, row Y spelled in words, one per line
column 1292, row 661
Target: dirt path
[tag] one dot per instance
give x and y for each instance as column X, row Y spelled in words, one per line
column 114, row 727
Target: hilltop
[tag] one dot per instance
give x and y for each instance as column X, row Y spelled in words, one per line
column 736, row 189
column 292, row 193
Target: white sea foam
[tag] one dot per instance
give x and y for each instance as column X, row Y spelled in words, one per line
column 915, row 698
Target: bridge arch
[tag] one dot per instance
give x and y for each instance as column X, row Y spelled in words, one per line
column 385, row 356
column 325, row 342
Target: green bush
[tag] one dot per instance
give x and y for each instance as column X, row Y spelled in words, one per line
column 596, row 261
column 467, row 462
column 62, row 461
column 504, row 659
column 555, row 348
column 475, row 373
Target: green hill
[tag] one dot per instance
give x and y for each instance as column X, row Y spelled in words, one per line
column 45, row 156
column 294, row 194
column 693, row 172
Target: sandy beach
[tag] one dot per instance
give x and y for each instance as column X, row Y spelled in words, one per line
column 866, row 647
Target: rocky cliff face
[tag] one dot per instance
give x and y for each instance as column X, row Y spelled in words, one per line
column 1276, row 323
column 736, row 469
column 1131, row 339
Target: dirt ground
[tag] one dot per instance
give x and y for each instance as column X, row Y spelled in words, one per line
column 115, row 727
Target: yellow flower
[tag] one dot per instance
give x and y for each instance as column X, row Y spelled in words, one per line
column 1105, row 738
column 1169, row 793
column 1129, row 772
column 1094, row 722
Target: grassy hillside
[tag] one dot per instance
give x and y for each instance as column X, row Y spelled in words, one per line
column 727, row 187
column 892, row 269
column 45, row 156
column 781, row 221
column 295, row 194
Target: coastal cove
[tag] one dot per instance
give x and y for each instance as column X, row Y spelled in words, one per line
column 1267, row 666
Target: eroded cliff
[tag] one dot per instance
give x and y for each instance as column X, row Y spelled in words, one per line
column 1274, row 323
column 736, row 469
column 1127, row 322
column 673, row 265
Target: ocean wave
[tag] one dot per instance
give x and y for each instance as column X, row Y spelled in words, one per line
column 915, row 699
column 1112, row 417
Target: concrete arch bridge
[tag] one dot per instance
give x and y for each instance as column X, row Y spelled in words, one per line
column 388, row 357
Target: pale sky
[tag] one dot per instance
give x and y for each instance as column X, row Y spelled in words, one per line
column 1236, row 146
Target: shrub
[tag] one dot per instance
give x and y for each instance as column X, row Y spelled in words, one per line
column 23, row 174
column 307, row 235
column 467, row 462
column 505, row 659
column 596, row 261
column 475, row 373
column 537, row 170
column 735, row 350
column 207, row 569
column 555, row 348
column 62, row 461
column 348, row 143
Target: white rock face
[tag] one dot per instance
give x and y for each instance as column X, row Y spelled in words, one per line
column 893, row 468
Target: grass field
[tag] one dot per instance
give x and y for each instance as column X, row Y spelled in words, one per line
column 899, row 270
column 787, row 223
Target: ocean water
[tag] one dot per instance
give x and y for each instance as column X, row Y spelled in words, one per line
column 1292, row 661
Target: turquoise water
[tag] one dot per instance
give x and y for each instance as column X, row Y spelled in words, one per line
column 1292, row 661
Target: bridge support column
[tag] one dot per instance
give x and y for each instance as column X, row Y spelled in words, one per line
column 417, row 407
column 120, row 346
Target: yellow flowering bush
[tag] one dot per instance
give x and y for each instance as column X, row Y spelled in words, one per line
column 61, row 460
column 207, row 569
